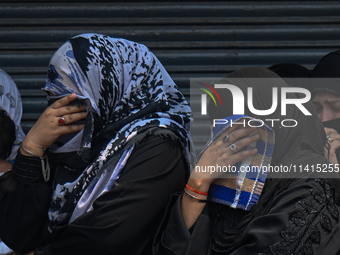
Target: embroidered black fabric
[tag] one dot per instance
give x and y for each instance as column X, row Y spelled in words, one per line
column 313, row 218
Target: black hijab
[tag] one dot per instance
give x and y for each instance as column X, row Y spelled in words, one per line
column 299, row 145
column 290, row 72
column 327, row 67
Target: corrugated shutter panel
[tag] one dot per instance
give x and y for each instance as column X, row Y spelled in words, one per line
column 192, row 39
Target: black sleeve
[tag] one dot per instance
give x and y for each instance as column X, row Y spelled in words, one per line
column 304, row 219
column 125, row 220
column 173, row 236
column 24, row 202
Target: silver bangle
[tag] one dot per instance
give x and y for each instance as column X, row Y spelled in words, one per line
column 46, row 171
column 194, row 197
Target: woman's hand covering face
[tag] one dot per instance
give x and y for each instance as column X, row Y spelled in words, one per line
column 47, row 129
column 220, row 153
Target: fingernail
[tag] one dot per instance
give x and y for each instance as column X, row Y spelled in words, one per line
column 257, row 136
column 255, row 150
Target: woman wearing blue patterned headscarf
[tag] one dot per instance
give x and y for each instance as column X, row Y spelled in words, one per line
column 117, row 133
column 10, row 101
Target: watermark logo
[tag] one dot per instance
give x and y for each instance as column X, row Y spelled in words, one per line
column 281, row 98
column 204, row 97
column 238, row 100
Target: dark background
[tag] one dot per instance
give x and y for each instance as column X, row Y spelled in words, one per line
column 191, row 39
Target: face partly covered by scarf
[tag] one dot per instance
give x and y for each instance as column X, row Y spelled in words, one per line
column 290, row 142
column 122, row 80
column 292, row 145
column 126, row 91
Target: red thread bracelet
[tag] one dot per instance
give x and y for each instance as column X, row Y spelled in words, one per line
column 196, row 191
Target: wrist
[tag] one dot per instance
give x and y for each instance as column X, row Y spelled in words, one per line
column 200, row 184
column 32, row 148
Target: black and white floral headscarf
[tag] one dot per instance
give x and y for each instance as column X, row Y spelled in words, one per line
column 10, row 101
column 126, row 87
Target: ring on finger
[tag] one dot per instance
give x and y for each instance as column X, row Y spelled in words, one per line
column 233, row 147
column 329, row 138
column 61, row 120
column 226, row 139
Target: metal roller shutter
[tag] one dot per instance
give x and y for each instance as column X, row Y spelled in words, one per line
column 191, row 39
